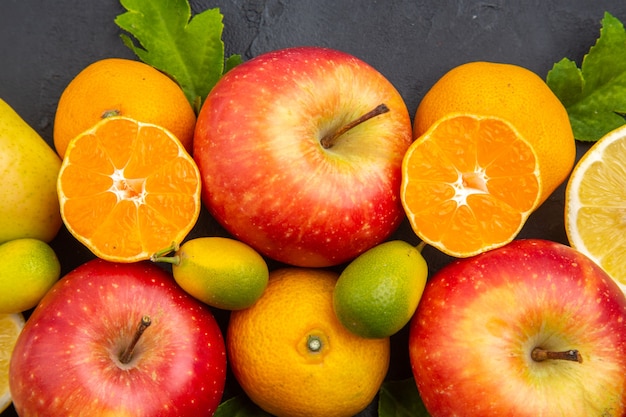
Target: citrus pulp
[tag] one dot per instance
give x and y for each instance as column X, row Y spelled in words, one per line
column 10, row 327
column 595, row 204
column 128, row 189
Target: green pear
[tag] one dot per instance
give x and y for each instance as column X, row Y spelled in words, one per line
column 29, row 206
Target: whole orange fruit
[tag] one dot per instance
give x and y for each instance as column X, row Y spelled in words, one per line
column 516, row 95
column 293, row 357
column 122, row 87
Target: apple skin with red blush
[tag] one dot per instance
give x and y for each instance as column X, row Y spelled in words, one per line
column 300, row 152
column 80, row 352
column 532, row 328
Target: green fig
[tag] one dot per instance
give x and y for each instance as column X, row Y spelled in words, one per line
column 378, row 292
column 29, row 206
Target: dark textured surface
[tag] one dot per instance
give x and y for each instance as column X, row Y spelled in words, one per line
column 43, row 44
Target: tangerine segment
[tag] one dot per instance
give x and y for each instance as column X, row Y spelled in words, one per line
column 469, row 183
column 128, row 189
column 595, row 205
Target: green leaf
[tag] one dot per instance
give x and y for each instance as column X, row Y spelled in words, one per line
column 239, row 406
column 400, row 399
column 189, row 50
column 595, row 94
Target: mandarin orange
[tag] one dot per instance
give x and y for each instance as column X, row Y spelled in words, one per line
column 293, row 357
column 128, row 189
column 516, row 95
column 492, row 143
column 122, row 87
column 469, row 183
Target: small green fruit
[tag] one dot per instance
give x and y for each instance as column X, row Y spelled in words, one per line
column 378, row 292
column 221, row 272
column 29, row 205
column 29, row 269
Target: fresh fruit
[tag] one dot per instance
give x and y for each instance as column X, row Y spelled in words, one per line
column 484, row 90
column 10, row 327
column 122, row 87
column 113, row 339
column 293, row 357
column 29, row 269
column 516, row 95
column 595, row 205
column 534, row 328
column 310, row 141
column 128, row 189
column 28, row 168
column 378, row 292
column 219, row 271
column 469, row 184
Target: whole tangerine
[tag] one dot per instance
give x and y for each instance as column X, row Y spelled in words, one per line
column 122, row 87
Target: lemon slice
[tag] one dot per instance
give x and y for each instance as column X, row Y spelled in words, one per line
column 10, row 327
column 595, row 204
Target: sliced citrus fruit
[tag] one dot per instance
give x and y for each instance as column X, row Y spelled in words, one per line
column 469, row 183
column 516, row 95
column 10, row 327
column 595, row 204
column 128, row 189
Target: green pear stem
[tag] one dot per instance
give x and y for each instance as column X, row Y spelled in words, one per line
column 330, row 138
column 127, row 354
column 540, row 355
column 420, row 246
column 160, row 255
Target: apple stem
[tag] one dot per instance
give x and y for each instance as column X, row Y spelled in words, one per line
column 160, row 255
column 330, row 138
column 540, row 355
column 127, row 354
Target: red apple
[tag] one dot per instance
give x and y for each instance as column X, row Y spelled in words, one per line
column 300, row 152
column 75, row 355
column 534, row 328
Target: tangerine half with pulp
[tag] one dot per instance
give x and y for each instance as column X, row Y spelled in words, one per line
column 128, row 189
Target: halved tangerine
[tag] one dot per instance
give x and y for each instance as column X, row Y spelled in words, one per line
column 469, row 184
column 128, row 189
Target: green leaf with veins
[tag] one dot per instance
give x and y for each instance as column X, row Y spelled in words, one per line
column 188, row 49
column 595, row 94
column 400, row 399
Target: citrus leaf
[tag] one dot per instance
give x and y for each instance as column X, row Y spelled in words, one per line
column 400, row 399
column 165, row 36
column 239, row 406
column 595, row 94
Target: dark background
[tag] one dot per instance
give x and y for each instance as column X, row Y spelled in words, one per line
column 44, row 44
